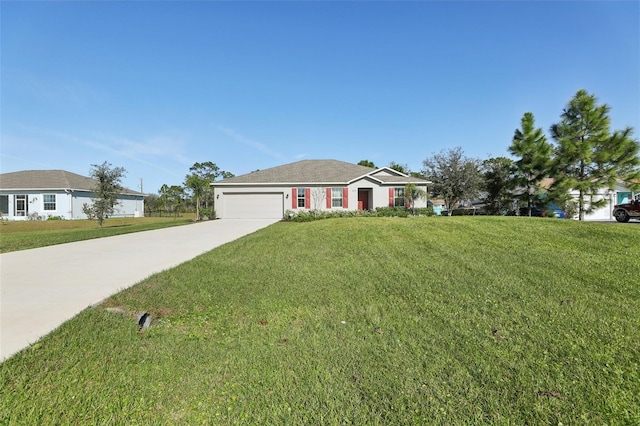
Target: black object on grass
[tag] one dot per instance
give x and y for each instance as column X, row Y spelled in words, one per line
column 144, row 321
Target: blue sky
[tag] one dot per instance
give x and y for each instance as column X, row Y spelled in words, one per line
column 157, row 86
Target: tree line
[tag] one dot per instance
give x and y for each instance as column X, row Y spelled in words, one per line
column 195, row 194
column 585, row 157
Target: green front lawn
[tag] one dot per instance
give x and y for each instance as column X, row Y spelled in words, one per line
column 23, row 235
column 461, row 320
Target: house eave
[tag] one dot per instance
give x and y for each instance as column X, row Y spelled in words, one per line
column 284, row 184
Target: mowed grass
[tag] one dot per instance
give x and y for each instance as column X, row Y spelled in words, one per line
column 469, row 320
column 22, row 235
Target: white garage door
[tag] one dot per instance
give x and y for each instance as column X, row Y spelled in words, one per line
column 253, row 206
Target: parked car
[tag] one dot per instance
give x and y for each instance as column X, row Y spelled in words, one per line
column 469, row 211
column 551, row 211
column 626, row 211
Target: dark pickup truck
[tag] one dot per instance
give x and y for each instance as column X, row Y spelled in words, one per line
column 624, row 212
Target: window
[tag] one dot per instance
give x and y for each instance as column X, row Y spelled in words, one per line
column 336, row 197
column 301, row 200
column 398, row 197
column 4, row 204
column 49, row 201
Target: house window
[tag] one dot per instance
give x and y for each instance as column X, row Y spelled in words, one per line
column 301, row 200
column 4, row 204
column 49, row 201
column 336, row 197
column 20, row 205
column 398, row 197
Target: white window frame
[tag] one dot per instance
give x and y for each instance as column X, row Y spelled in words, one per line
column 398, row 197
column 45, row 202
column 337, row 197
column 301, row 198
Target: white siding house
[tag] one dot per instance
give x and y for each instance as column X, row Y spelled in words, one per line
column 620, row 194
column 326, row 185
column 48, row 193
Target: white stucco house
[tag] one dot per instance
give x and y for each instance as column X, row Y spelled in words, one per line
column 326, row 185
column 618, row 195
column 60, row 193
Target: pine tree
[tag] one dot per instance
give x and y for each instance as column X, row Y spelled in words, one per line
column 588, row 156
column 534, row 158
column 498, row 174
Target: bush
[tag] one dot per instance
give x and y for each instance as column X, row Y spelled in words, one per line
column 391, row 212
column 311, row 215
column 35, row 216
column 207, row 213
column 55, row 218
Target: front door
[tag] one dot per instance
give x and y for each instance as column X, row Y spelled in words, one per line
column 363, row 199
column 20, row 205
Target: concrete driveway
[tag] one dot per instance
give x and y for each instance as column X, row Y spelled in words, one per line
column 41, row 288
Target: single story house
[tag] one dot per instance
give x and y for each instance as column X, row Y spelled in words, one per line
column 618, row 195
column 326, row 185
column 47, row 193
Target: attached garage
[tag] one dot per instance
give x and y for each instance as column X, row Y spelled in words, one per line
column 247, row 205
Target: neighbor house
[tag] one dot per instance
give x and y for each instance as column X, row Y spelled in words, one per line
column 326, row 185
column 618, row 195
column 56, row 193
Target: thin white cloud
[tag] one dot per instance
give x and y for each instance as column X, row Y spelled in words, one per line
column 259, row 146
column 48, row 89
column 148, row 152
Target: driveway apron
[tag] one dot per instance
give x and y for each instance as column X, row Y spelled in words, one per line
column 41, row 288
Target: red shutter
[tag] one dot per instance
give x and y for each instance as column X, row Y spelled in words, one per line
column 390, row 197
column 345, row 198
column 328, row 198
column 307, row 198
column 294, row 198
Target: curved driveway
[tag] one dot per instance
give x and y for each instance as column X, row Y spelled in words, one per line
column 41, row 288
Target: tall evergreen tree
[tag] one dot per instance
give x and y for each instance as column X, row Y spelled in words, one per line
column 498, row 184
column 530, row 146
column 588, row 156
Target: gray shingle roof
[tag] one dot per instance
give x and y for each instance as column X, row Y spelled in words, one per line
column 314, row 171
column 49, row 180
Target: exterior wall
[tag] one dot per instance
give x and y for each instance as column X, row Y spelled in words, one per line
column 617, row 196
column 317, row 195
column 221, row 193
column 68, row 204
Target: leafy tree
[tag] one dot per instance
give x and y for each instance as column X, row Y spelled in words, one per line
column 412, row 194
column 198, row 187
column 530, row 146
column 210, row 172
column 171, row 198
column 151, row 203
column 498, row 183
column 402, row 168
column 455, row 177
column 108, row 186
column 175, row 198
column 367, row 163
column 588, row 156
column 164, row 197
